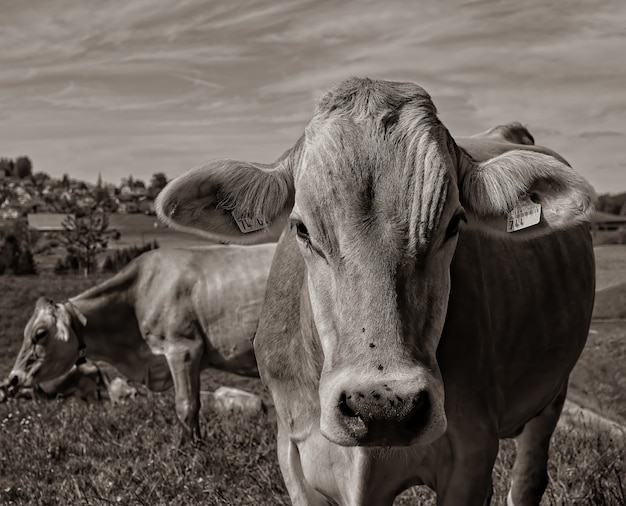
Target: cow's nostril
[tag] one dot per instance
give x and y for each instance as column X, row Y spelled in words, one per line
column 344, row 406
column 419, row 411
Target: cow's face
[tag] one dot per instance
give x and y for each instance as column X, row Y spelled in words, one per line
column 376, row 216
column 374, row 193
column 49, row 348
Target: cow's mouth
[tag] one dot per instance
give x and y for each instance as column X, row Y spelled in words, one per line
column 388, row 428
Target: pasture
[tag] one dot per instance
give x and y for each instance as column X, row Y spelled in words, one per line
column 70, row 452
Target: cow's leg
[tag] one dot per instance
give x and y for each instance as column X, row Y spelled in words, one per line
column 184, row 363
column 529, row 477
column 300, row 492
column 468, row 480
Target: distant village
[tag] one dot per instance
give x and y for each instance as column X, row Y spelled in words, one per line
column 24, row 192
column 44, row 200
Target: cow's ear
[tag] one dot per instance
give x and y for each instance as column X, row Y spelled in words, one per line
column 63, row 323
column 509, row 192
column 229, row 201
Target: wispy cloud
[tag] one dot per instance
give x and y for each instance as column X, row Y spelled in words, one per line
column 136, row 86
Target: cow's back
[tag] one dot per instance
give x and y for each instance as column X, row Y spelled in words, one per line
column 518, row 319
column 216, row 292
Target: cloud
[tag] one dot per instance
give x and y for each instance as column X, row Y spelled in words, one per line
column 83, row 84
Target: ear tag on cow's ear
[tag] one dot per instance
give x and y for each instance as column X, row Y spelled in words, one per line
column 525, row 214
column 247, row 225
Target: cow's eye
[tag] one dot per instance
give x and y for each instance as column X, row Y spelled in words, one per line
column 453, row 226
column 302, row 232
column 39, row 335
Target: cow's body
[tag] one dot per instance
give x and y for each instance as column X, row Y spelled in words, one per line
column 397, row 350
column 162, row 319
column 509, row 342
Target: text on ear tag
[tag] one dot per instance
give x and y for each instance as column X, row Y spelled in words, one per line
column 247, row 225
column 525, row 214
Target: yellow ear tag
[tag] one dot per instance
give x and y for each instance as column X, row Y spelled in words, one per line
column 525, row 214
column 247, row 225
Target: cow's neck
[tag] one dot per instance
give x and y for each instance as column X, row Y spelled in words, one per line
column 78, row 321
column 110, row 320
column 287, row 347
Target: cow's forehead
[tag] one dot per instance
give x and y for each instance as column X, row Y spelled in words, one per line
column 392, row 164
column 360, row 98
column 43, row 314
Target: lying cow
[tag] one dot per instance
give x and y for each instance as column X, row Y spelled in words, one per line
column 428, row 297
column 159, row 321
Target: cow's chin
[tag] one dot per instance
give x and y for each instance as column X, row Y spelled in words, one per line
column 403, row 412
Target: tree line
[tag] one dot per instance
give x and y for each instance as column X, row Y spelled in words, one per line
column 20, row 167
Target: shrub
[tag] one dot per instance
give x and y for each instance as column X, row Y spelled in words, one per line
column 16, row 254
column 68, row 265
column 25, row 264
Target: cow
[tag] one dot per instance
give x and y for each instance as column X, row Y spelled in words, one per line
column 159, row 321
column 427, row 297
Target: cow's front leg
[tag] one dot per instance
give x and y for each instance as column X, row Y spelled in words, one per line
column 300, row 491
column 530, row 471
column 466, row 479
column 184, row 362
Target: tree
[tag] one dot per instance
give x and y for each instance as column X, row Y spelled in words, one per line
column 15, row 252
column 23, row 167
column 157, row 183
column 85, row 237
column 25, row 263
column 6, row 166
column 41, row 179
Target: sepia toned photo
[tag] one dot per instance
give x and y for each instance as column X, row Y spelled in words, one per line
column 312, row 253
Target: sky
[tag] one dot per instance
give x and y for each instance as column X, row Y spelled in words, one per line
column 134, row 87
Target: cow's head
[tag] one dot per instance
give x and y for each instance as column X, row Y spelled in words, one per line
column 50, row 346
column 375, row 192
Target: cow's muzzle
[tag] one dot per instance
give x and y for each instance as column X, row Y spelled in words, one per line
column 375, row 415
column 385, row 413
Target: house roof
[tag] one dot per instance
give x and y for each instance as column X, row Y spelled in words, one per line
column 600, row 217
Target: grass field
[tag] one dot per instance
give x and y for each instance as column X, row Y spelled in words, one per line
column 610, row 265
column 70, row 452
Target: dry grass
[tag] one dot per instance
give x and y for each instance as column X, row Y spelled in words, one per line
column 69, row 452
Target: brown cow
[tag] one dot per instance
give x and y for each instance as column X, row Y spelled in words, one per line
column 163, row 318
column 398, row 341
